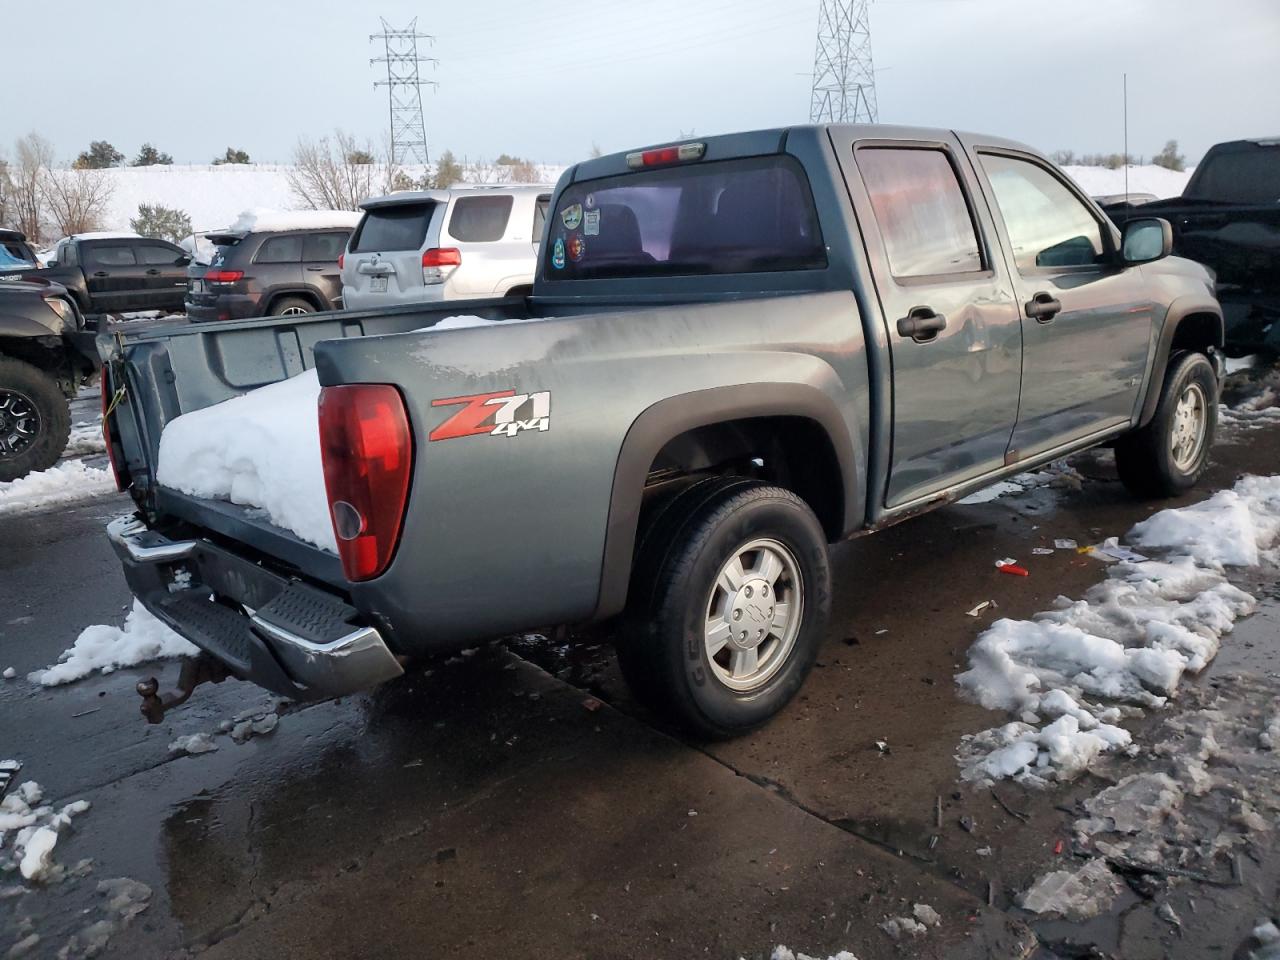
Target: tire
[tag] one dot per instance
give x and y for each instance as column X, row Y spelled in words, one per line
column 291, row 306
column 35, row 420
column 712, row 686
column 1168, row 456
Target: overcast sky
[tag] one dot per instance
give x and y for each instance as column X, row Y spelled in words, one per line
column 549, row 80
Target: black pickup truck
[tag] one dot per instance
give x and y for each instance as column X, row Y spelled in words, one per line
column 118, row 274
column 1228, row 218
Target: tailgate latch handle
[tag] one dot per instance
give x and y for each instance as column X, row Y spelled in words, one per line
column 922, row 324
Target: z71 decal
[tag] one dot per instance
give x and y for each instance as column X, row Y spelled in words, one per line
column 501, row 414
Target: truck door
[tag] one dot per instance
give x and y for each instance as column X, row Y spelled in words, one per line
column 1086, row 319
column 164, row 274
column 112, row 274
column 952, row 323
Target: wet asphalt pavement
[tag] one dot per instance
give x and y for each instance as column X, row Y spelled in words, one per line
column 490, row 806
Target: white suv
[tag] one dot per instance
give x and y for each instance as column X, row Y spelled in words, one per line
column 464, row 243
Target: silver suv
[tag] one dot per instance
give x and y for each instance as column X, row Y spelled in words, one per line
column 436, row 245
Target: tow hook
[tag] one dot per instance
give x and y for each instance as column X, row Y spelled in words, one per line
column 195, row 671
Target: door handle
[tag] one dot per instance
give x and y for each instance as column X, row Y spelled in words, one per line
column 153, row 272
column 1043, row 307
column 100, row 273
column 317, row 269
column 921, row 324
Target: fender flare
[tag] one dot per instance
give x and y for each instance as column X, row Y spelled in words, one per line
column 1178, row 311
column 667, row 419
column 302, row 293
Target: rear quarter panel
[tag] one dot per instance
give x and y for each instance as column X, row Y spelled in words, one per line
column 503, row 534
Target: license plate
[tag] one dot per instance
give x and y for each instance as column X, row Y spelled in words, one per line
column 377, row 284
column 197, row 286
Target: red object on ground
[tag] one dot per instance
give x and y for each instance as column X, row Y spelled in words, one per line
column 1057, row 848
column 1013, row 570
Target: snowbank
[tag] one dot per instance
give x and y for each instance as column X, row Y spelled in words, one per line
column 260, row 219
column 64, row 483
column 262, row 450
column 1127, row 645
column 106, row 648
column 1099, row 181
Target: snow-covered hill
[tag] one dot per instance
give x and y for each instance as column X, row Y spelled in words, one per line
column 214, row 196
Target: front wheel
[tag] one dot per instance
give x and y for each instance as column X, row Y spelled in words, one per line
column 733, row 612
column 1167, row 456
column 34, row 420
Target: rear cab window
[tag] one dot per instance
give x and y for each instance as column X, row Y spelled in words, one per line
column 1239, row 174
column 400, row 226
column 749, row 215
column 480, row 219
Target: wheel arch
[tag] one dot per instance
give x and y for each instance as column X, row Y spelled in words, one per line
column 818, row 428
column 302, row 293
column 1191, row 324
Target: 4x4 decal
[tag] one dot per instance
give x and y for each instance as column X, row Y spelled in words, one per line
column 501, row 414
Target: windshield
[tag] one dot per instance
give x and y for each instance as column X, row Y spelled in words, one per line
column 1247, row 175
column 753, row 215
column 13, row 257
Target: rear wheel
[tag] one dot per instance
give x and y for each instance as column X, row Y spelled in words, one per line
column 731, row 603
column 1167, row 456
column 291, row 307
column 35, row 421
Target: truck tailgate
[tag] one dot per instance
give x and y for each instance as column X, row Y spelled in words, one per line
column 156, row 372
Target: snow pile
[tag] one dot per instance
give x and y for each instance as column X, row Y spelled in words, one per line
column 85, row 438
column 194, row 745
column 64, row 483
column 105, row 648
column 262, row 450
column 1059, row 475
column 1074, row 894
column 35, row 828
column 1147, row 178
column 264, row 219
column 1071, row 674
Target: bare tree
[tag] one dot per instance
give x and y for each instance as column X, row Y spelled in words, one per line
column 335, row 174
column 76, row 199
column 6, row 190
column 32, row 158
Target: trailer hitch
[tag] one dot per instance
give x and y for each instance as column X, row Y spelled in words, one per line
column 195, row 671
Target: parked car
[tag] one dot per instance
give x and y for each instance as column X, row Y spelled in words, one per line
column 445, row 245
column 1131, row 199
column 116, row 273
column 750, row 347
column 268, row 273
column 15, row 253
column 45, row 355
column 1228, row 218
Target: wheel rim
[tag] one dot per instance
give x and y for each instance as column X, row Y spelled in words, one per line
column 19, row 423
column 753, row 614
column 1190, row 426
column 294, row 312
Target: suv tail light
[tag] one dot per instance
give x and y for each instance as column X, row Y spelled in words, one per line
column 223, row 276
column 438, row 263
column 342, row 260
column 367, row 452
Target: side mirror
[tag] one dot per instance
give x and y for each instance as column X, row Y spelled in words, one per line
column 183, row 260
column 1145, row 240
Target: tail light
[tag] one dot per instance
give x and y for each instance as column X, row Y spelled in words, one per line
column 108, row 408
column 367, row 452
column 223, row 276
column 438, row 263
column 342, row 260
column 664, row 156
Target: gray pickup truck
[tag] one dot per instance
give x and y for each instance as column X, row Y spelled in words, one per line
column 748, row 348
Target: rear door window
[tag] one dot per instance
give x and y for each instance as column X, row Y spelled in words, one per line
column 326, row 247
column 287, row 249
column 923, row 217
column 402, row 226
column 121, row 256
column 753, row 215
column 480, row 219
column 155, row 254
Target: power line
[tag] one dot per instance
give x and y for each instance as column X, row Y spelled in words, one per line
column 404, row 89
column 844, row 79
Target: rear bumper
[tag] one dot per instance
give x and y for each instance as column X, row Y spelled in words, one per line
column 281, row 633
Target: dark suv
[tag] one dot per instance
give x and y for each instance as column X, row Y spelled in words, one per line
column 269, row 273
